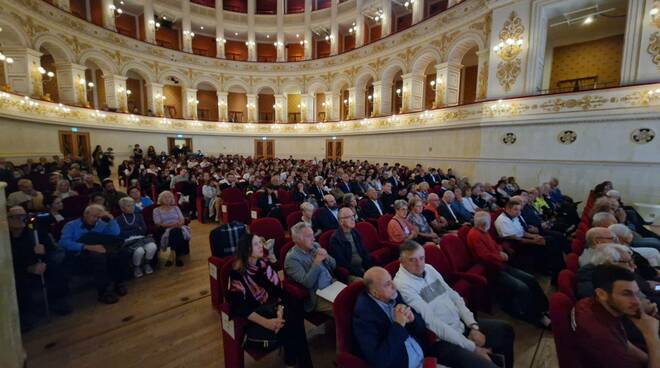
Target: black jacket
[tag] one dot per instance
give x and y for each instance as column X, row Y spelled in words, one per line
column 369, row 210
column 325, row 220
column 452, row 222
column 340, row 250
column 387, row 199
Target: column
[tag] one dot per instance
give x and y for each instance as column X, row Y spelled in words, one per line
column 251, row 44
column 63, row 4
column 418, row 11
column 280, row 32
column 307, row 108
column 190, row 104
column 386, row 21
column 223, row 114
column 351, row 102
column 334, row 28
column 412, row 92
column 360, row 106
column 71, row 83
column 378, row 90
column 334, row 98
column 155, row 99
column 115, row 92
column 308, row 30
column 108, row 13
column 280, row 108
column 149, row 22
column 639, row 64
column 23, row 75
column 219, row 31
column 252, row 101
column 482, row 74
column 186, row 26
column 359, row 25
column 384, row 96
column 447, row 84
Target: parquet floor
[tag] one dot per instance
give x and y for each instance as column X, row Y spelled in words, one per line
column 166, row 321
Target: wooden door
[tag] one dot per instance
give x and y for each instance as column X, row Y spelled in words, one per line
column 75, row 144
column 334, row 149
column 172, row 142
column 264, row 148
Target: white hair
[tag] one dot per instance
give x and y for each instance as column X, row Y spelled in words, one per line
column 621, row 231
column 608, row 254
column 306, row 206
column 482, row 219
column 297, row 230
column 613, row 194
column 126, row 202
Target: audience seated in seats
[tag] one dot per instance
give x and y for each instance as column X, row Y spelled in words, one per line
column 176, row 235
column 388, row 332
column 463, row 341
column 311, row 266
column 468, row 201
column 270, row 204
column 256, row 293
column 98, row 198
column 52, row 216
column 632, row 217
column 373, row 207
column 212, row 200
column 521, row 294
column 88, row 185
column 63, row 190
column 554, row 239
column 595, row 237
column 344, row 184
column 346, row 246
column 326, row 219
column 424, row 231
column 26, row 196
column 457, row 205
column 599, row 321
column 318, row 189
column 387, row 198
column 134, row 232
column 433, row 217
column 36, row 265
column 182, row 176
column 93, row 241
column 508, row 225
column 399, row 229
column 622, row 218
column 111, row 195
column 140, row 201
column 300, row 194
column 625, row 237
column 454, row 221
column 307, row 210
column 349, row 201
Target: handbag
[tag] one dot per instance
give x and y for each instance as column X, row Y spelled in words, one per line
column 259, row 337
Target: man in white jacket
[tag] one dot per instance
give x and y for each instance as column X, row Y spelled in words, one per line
column 462, row 341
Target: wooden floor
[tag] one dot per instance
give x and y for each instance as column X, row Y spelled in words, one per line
column 166, row 320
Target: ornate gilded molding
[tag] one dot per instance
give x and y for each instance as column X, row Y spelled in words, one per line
column 654, row 49
column 509, row 68
column 483, row 81
column 507, row 73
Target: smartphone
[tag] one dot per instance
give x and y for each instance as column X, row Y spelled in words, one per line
column 657, row 287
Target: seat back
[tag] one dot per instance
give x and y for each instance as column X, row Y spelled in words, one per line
column 284, row 250
column 231, row 195
column 324, row 239
column 269, row 228
column 288, row 208
column 383, row 221
column 284, row 196
column 436, row 258
column 393, row 267
column 343, row 312
column 561, row 306
column 293, row 218
column 463, row 232
column 566, row 283
column 456, row 251
column 148, row 215
column 223, row 277
column 492, row 230
column 369, row 235
column 572, row 262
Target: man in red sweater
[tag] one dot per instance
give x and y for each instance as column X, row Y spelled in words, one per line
column 521, row 295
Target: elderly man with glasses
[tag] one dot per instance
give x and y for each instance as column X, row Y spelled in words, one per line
column 346, row 247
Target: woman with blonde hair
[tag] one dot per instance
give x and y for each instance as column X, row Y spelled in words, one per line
column 176, row 235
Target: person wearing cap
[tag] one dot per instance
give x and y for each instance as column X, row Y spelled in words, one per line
column 32, row 261
column 111, row 195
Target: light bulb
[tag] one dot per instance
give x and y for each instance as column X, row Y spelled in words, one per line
column 9, row 60
column 588, row 20
column 654, row 11
column 509, row 41
column 50, row 74
column 40, row 69
column 90, row 85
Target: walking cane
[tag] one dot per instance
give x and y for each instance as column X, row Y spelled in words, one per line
column 44, row 291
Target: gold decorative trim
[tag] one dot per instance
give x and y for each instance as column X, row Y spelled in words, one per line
column 483, row 81
column 507, row 73
column 654, row 48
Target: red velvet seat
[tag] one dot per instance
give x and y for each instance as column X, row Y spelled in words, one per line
column 383, row 221
column 215, row 265
column 293, row 218
column 255, row 211
column 393, row 267
column 561, row 306
column 324, row 239
column 234, row 206
column 199, row 204
column 566, row 283
column 284, row 196
column 464, row 287
column 343, row 312
column 381, row 252
column 271, row 228
column 289, row 208
column 572, row 262
column 464, row 266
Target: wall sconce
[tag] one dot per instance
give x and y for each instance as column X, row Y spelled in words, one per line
column 6, row 59
column 329, row 37
column 278, row 43
column 509, row 48
column 346, row 101
column 303, row 42
column 189, row 33
column 249, row 43
column 125, row 91
column 398, row 92
column 379, row 15
column 117, row 12
column 432, row 84
column 154, row 23
column 370, row 98
column 353, row 28
column 408, row 3
column 323, row 104
column 220, row 40
column 161, row 97
column 48, row 74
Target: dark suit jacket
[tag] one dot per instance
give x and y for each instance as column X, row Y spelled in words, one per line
column 432, row 180
column 388, row 202
column 340, row 249
column 317, row 193
column 531, row 216
column 325, row 220
column 370, row 210
column 453, row 222
column 380, row 341
column 298, row 197
column 262, row 202
column 395, row 184
column 344, row 187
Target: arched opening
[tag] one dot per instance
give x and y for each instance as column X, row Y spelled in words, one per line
column 343, row 111
column 369, row 98
column 429, row 86
column 48, row 76
column 321, row 113
column 469, row 71
column 173, row 93
column 294, row 107
column 95, row 87
column 207, row 107
column 266, row 105
column 137, row 100
column 9, row 37
column 397, row 92
column 237, row 104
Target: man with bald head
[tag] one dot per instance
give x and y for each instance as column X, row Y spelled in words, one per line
column 346, row 246
column 328, row 216
column 387, row 331
column 433, row 217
